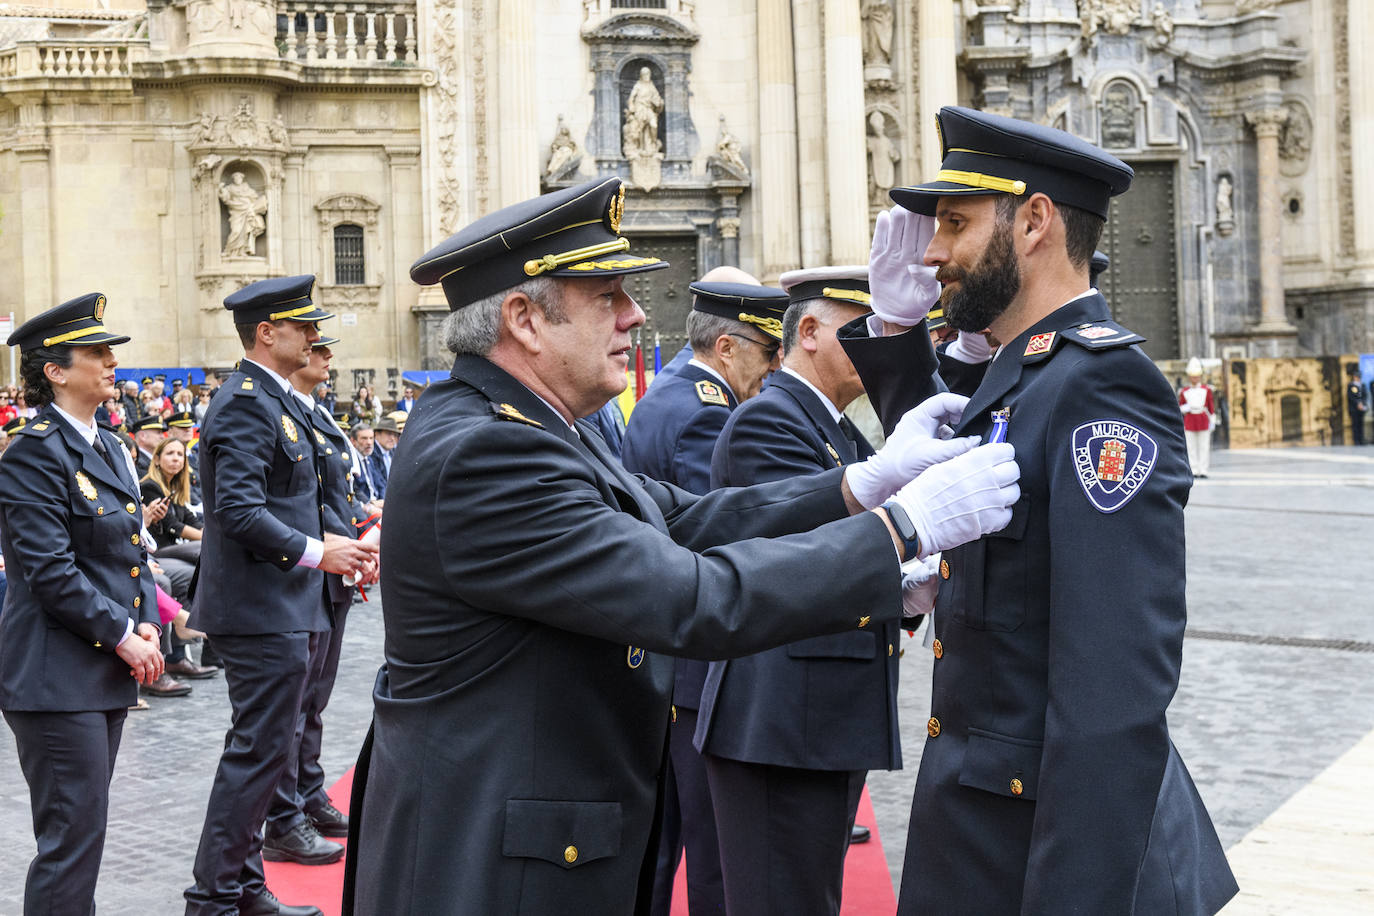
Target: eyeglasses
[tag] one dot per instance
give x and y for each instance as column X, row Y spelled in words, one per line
column 769, row 350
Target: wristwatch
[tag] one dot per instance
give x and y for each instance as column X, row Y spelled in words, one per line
column 911, row 541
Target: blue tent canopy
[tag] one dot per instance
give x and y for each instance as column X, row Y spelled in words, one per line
column 424, row 377
column 187, row 376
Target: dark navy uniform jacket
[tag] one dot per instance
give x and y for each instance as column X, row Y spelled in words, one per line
column 1048, row 783
column 898, row 372
column 262, row 489
column 825, row 703
column 520, row 730
column 670, row 437
column 77, row 569
column 335, row 460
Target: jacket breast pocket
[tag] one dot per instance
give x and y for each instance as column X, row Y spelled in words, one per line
column 987, row 586
column 856, row 645
column 1001, row 764
column 292, row 469
column 95, row 526
column 566, row 833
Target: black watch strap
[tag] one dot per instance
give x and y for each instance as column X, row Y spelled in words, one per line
column 911, row 541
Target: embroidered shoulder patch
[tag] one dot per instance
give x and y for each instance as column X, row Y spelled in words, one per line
column 709, row 393
column 508, row 412
column 1102, row 335
column 1040, row 343
column 1113, row 459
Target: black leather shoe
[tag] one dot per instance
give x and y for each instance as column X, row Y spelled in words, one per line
column 302, row 844
column 209, row 657
column 189, row 669
column 859, row 834
column 267, row 904
column 165, row 686
column 328, row 820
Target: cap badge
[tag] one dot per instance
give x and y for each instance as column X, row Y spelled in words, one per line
column 289, row 426
column 1112, row 460
column 99, row 308
column 634, row 656
column 709, row 393
column 1039, row 344
column 834, row 454
column 617, row 209
column 87, row 488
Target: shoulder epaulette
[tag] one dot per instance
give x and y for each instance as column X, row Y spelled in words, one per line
column 40, row 429
column 246, row 389
column 508, row 412
column 710, row 393
column 1101, row 335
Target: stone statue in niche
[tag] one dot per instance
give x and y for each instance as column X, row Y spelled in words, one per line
column 640, row 133
column 728, row 157
column 563, row 155
column 1118, row 118
column 1226, row 217
column 877, row 18
column 1112, row 16
column 247, row 209
column 883, row 156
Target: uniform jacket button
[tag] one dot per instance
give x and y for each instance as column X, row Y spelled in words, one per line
column 138, row 602
column 570, row 855
column 889, row 650
column 938, row 648
column 933, row 727
column 673, row 713
column 97, row 644
column 1016, row 787
column 944, row 568
column 129, row 508
column 133, row 539
column 133, row 572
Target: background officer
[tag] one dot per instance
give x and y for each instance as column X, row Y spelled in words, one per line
column 1048, row 783
column 521, row 719
column 1357, row 405
column 734, row 330
column 80, row 615
column 147, row 432
column 261, row 595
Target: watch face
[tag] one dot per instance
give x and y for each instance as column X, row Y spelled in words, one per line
column 901, row 521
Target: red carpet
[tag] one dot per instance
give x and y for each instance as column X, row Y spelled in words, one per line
column 867, row 885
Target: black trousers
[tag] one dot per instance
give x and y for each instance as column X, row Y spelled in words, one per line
column 783, row 835
column 67, row 759
column 689, row 823
column 267, row 677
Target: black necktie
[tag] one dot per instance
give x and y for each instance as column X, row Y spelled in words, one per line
column 99, row 445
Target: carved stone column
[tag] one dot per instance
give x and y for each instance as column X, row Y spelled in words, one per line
column 846, row 146
column 776, row 163
column 34, row 216
column 939, row 85
column 729, row 239
column 1273, row 322
column 518, row 164
column 1361, row 88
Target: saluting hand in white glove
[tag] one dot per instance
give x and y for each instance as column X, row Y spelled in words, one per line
column 903, row 287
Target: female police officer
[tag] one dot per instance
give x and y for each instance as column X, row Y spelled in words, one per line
column 79, row 627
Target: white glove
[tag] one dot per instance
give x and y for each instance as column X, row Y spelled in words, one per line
column 920, row 585
column 964, row 498
column 903, row 288
column 971, row 347
column 913, row 446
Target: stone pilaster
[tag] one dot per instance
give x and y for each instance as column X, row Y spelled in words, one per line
column 846, row 146
column 1361, row 88
column 939, row 79
column 1273, row 323
column 35, row 214
column 775, row 167
column 518, row 164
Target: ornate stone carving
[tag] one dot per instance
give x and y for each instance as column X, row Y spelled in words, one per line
column 1295, row 139
column 564, row 156
column 478, row 54
column 347, row 208
column 877, row 17
column 243, row 130
column 728, row 226
column 884, row 152
column 1112, row 16
column 1267, row 122
column 1226, row 217
column 1254, row 6
column 247, row 208
column 208, row 19
column 1163, row 23
column 205, row 168
column 640, row 142
column 1118, row 116
column 1340, row 10
column 728, row 160
column 446, row 91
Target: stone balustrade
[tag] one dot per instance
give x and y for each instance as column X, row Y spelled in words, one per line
column 347, row 33
column 51, row 58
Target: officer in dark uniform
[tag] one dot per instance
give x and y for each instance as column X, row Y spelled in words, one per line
column 81, row 612
column 734, row 330
column 147, row 432
column 183, row 426
column 1048, row 783
column 1357, row 405
column 521, row 719
column 13, row 427
column 789, row 734
column 269, row 538
column 301, row 794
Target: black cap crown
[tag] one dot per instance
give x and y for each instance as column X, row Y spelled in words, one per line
column 991, row 154
column 77, row 322
column 847, row 284
column 276, row 299
column 150, row 422
column 570, row 233
column 761, row 306
column 183, row 420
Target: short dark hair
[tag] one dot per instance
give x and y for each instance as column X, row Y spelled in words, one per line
column 248, row 333
column 1082, row 230
column 37, row 389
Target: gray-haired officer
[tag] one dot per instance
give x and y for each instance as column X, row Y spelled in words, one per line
column 1048, row 783
column 521, row 718
column 270, row 536
column 734, row 331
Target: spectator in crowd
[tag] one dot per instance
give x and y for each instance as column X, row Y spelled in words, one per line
column 128, row 401
column 202, row 403
column 365, row 405
column 111, row 413
column 324, row 396
column 22, row 408
column 407, row 401
column 364, row 443
column 386, row 433
column 7, row 409
column 148, row 404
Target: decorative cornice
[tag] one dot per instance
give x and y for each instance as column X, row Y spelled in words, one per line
column 641, row 25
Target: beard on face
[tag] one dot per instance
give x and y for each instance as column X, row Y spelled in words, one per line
column 986, row 290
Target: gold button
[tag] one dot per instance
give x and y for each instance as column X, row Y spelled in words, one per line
column 1016, row 787
column 329, row 451
column 933, row 727
column 944, row 568
column 570, row 855
column 350, row 497
column 99, row 510
column 285, row 558
column 134, row 572
column 673, row 711
column 97, row 644
column 889, row 650
column 133, row 539
column 355, row 519
column 138, row 601
column 129, row 508
column 938, row 648
column 863, row 621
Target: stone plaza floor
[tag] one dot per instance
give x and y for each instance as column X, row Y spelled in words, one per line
column 1273, row 714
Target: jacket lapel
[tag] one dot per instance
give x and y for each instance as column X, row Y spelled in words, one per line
column 92, row 465
column 817, row 413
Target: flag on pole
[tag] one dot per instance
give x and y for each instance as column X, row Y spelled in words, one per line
column 658, row 357
column 640, row 382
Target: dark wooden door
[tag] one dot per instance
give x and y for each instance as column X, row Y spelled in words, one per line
column 1142, row 282
column 663, row 294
